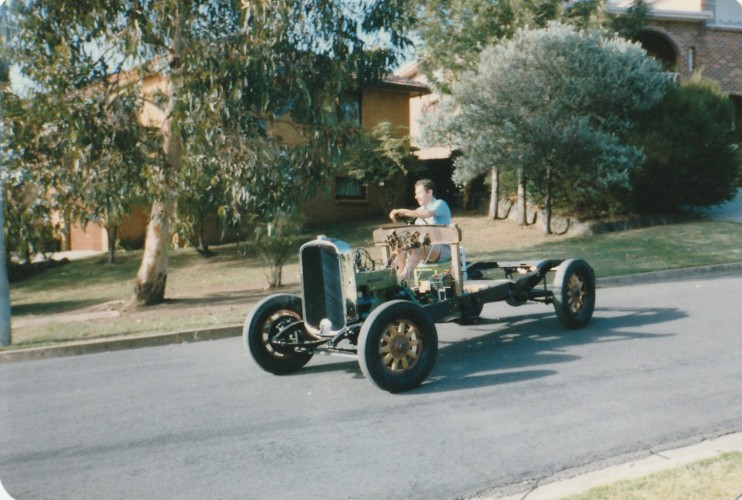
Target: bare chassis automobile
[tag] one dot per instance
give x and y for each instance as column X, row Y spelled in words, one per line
column 350, row 307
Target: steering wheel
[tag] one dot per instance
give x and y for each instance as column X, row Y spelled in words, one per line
column 406, row 220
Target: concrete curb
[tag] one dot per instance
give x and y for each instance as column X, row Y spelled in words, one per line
column 634, row 469
column 120, row 343
column 668, row 275
column 151, row 340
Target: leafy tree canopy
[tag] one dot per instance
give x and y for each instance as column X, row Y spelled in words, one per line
column 231, row 68
column 381, row 158
column 557, row 102
column 455, row 32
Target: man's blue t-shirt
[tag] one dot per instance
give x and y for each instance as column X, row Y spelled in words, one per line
column 442, row 216
column 442, row 213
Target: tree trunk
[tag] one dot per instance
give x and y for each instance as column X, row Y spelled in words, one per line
column 466, row 199
column 277, row 276
column 201, row 237
column 494, row 193
column 4, row 285
column 66, row 231
column 111, row 232
column 522, row 208
column 149, row 288
column 547, row 201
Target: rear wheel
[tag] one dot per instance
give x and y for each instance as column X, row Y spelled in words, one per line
column 397, row 346
column 273, row 321
column 574, row 293
column 471, row 310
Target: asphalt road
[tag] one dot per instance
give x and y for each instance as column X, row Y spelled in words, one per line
column 511, row 400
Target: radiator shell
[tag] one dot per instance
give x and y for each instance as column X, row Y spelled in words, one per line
column 329, row 296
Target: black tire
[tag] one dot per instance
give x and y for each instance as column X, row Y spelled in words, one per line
column 263, row 323
column 397, row 346
column 574, row 293
column 471, row 310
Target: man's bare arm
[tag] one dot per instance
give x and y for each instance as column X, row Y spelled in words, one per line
column 404, row 212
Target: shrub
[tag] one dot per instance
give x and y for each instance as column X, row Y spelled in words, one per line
column 690, row 153
column 277, row 243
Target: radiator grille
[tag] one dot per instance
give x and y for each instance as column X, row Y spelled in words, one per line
column 322, row 287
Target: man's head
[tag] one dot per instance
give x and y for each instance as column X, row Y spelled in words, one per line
column 424, row 189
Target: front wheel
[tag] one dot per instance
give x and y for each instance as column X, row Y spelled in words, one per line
column 274, row 321
column 397, row 346
column 574, row 293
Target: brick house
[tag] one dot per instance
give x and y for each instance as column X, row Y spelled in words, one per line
column 689, row 35
column 342, row 198
column 346, row 198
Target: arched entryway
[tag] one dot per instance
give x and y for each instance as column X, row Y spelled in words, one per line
column 660, row 47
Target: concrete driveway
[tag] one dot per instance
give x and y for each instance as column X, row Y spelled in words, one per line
column 729, row 211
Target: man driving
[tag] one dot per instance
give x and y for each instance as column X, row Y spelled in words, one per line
column 431, row 211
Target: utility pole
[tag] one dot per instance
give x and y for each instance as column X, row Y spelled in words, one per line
column 4, row 286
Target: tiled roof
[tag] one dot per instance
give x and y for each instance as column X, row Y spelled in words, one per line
column 403, row 84
column 719, row 13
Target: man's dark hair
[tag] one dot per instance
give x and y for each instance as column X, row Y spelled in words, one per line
column 427, row 184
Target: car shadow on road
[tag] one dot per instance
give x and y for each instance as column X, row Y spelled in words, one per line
column 518, row 348
column 526, row 347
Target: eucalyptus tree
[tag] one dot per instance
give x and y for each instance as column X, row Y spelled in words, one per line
column 112, row 155
column 26, row 212
column 558, row 104
column 380, row 157
column 202, row 195
column 27, row 172
column 79, row 152
column 231, row 69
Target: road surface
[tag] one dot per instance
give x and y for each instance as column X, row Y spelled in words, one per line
column 511, row 400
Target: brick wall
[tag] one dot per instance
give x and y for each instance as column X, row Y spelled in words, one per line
column 377, row 105
column 133, row 228
column 716, row 51
column 290, row 134
column 721, row 58
column 325, row 208
column 380, row 105
column 131, row 232
column 93, row 237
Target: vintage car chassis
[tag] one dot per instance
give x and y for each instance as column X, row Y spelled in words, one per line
column 348, row 307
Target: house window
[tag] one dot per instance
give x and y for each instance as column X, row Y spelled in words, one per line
column 349, row 108
column 691, row 59
column 430, row 106
column 343, row 109
column 349, row 189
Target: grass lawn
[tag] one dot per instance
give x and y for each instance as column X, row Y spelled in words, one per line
column 643, row 250
column 91, row 299
column 717, row 477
